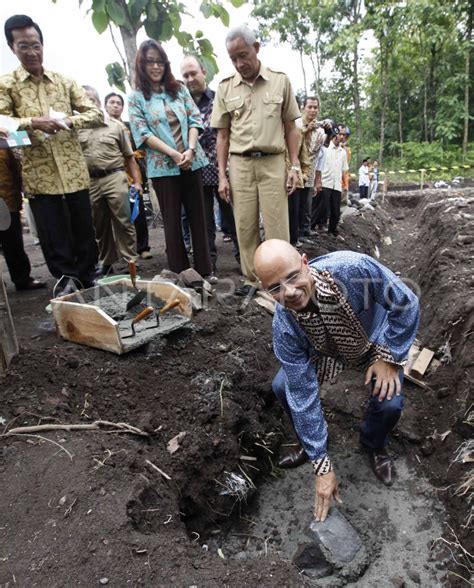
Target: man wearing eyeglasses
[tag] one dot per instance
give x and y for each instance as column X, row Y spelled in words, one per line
column 51, row 108
column 343, row 309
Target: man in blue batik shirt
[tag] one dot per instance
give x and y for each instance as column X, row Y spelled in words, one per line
column 343, row 309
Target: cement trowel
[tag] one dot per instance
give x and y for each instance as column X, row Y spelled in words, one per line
column 140, row 316
column 141, row 294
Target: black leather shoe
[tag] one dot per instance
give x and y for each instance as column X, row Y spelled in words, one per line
column 104, row 270
column 382, row 466
column 69, row 288
column 88, row 284
column 32, row 284
column 246, row 290
column 293, row 459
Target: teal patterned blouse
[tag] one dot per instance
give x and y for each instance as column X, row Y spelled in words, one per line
column 148, row 119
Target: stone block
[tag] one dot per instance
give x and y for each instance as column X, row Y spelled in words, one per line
column 339, row 540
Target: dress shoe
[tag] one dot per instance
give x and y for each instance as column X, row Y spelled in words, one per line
column 382, row 466
column 146, row 255
column 211, row 278
column 69, row 288
column 88, row 284
column 293, row 459
column 104, row 270
column 31, row 284
column 246, row 290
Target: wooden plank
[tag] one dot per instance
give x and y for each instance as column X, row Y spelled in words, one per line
column 8, row 340
column 266, row 301
column 87, row 325
column 421, row 363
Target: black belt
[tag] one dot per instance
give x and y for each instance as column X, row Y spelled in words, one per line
column 101, row 173
column 253, row 154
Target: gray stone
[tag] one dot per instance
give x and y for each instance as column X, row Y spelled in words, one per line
column 310, row 559
column 397, row 582
column 414, row 576
column 337, row 537
column 192, row 279
column 241, row 556
column 196, row 299
column 465, row 239
column 167, row 274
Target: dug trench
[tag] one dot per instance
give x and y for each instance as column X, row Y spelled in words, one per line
column 108, row 507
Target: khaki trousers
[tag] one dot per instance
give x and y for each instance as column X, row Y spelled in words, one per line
column 114, row 233
column 258, row 184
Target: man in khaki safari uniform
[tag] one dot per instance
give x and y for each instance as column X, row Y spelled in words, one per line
column 108, row 153
column 255, row 112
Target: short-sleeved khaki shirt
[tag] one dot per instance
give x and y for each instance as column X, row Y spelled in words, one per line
column 255, row 113
column 104, row 148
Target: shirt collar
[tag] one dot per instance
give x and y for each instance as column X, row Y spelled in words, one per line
column 262, row 72
column 24, row 75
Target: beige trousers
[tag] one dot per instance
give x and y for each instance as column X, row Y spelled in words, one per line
column 114, row 233
column 258, row 184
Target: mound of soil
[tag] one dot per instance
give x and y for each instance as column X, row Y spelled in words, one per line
column 82, row 508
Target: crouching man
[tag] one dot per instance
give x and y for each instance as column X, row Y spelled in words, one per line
column 343, row 309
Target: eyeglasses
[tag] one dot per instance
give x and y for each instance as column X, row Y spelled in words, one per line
column 24, row 47
column 154, row 62
column 291, row 280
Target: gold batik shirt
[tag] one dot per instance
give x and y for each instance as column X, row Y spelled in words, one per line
column 54, row 164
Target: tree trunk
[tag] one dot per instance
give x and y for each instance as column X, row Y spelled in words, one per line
column 129, row 40
column 466, row 87
column 384, row 108
column 316, row 78
column 400, row 121
column 425, row 111
column 304, row 72
column 356, row 92
column 355, row 73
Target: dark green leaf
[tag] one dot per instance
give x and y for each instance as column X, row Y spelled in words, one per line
column 100, row 20
column 210, row 65
column 152, row 11
column 116, row 12
column 116, row 75
column 98, row 5
column 205, row 46
column 206, row 9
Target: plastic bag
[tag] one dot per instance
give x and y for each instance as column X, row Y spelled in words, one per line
column 134, row 199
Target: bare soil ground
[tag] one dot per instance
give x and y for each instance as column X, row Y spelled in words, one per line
column 87, row 508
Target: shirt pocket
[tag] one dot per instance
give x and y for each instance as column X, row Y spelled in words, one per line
column 234, row 107
column 272, row 105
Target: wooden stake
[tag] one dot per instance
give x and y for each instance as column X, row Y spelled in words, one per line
column 8, row 341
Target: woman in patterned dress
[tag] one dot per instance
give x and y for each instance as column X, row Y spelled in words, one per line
column 166, row 122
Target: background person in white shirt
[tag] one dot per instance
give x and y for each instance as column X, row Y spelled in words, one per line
column 329, row 202
column 364, row 180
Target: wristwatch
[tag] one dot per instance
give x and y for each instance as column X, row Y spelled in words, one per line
column 295, row 168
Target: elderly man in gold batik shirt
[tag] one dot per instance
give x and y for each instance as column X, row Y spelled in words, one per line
column 55, row 175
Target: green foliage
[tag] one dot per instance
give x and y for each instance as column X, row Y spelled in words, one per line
column 413, row 81
column 116, row 75
column 161, row 21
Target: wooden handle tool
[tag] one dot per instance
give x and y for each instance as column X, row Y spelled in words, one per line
column 169, row 305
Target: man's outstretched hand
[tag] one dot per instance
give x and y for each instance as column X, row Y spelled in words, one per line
column 326, row 490
column 387, row 380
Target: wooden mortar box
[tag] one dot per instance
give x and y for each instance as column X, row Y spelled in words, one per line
column 78, row 320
